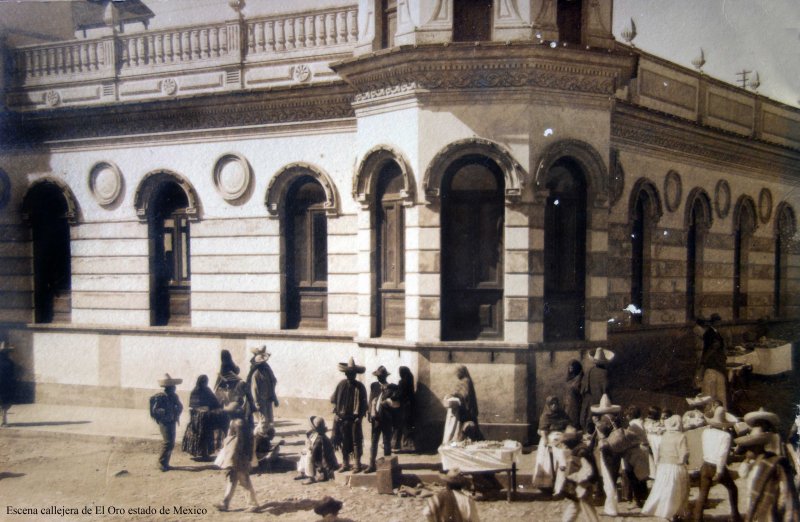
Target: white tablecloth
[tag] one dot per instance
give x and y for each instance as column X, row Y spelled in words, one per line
column 475, row 458
column 767, row 360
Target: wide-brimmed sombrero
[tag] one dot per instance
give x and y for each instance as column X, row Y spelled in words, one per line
column 169, row 381
column 761, row 415
column 721, row 419
column 351, row 366
column 698, row 401
column 757, row 437
column 602, row 355
column 605, row 406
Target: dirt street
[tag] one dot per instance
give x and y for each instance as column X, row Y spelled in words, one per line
column 120, row 481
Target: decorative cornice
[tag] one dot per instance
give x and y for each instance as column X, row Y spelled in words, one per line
column 487, row 66
column 275, row 106
column 644, row 128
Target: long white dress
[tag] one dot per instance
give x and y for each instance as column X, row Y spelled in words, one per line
column 670, row 493
column 452, row 426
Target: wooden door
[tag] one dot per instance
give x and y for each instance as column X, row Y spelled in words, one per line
column 390, row 246
column 565, row 256
column 306, row 256
column 472, row 252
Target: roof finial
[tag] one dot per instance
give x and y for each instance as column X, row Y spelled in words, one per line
column 699, row 61
column 629, row 33
column 755, row 82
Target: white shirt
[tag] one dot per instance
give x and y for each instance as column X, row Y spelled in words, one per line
column 716, row 446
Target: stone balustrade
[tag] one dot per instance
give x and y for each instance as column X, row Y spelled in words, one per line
column 183, row 45
column 302, row 31
column 321, row 32
column 55, row 61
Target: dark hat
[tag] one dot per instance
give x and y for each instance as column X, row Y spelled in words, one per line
column 328, row 506
column 455, row 478
column 715, row 318
column 318, row 424
column 381, row 371
column 351, row 366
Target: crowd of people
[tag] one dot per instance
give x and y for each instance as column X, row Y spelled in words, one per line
column 601, row 451
column 235, row 421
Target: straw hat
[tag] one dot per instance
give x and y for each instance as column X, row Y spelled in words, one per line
column 381, row 371
column 757, row 437
column 169, row 381
column 328, row 506
column 698, row 401
column 351, row 366
column 605, row 406
column 721, row 419
column 602, row 355
column 762, row 415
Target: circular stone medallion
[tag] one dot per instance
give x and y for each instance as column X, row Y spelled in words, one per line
column 105, row 182
column 722, row 198
column 672, row 190
column 232, row 176
column 765, row 205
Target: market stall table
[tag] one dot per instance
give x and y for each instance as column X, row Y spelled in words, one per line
column 484, row 457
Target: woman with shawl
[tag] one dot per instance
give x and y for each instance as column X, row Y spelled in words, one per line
column 204, row 410
column 574, row 395
column 549, row 457
column 462, row 406
column 404, row 415
column 670, row 494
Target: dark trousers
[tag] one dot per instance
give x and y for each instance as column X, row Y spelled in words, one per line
column 707, row 472
column 382, row 425
column 352, row 439
column 168, row 442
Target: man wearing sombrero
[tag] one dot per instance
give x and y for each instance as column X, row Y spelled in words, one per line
column 771, row 494
column 595, row 383
column 382, row 400
column 717, row 439
column 261, row 383
column 714, row 362
column 165, row 409
column 349, row 407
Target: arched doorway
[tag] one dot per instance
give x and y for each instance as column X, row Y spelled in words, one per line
column 390, row 250
column 473, row 207
column 305, row 228
column 565, row 252
column 698, row 221
column 47, row 209
column 785, row 229
column 170, row 256
column 645, row 211
column 745, row 222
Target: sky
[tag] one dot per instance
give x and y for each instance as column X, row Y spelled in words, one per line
column 755, row 35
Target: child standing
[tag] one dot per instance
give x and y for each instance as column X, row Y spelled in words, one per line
column 235, row 458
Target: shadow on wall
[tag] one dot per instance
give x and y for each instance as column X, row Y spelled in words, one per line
column 430, row 425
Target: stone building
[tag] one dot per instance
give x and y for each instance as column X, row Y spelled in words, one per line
column 422, row 183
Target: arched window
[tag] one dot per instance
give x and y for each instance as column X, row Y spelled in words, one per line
column 306, row 254
column 743, row 234
column 565, row 252
column 390, row 246
column 473, row 209
column 170, row 256
column 47, row 210
column 784, row 232
column 569, row 19
column 698, row 221
column 641, row 236
column 472, row 20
